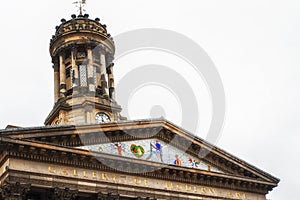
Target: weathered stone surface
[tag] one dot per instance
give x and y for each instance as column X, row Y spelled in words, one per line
column 14, row 191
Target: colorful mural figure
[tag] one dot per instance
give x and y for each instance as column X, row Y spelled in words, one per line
column 194, row 163
column 177, row 161
column 156, row 149
column 138, row 151
column 119, row 147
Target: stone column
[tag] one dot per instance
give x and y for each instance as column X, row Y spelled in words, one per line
column 62, row 71
column 97, row 70
column 111, row 81
column 56, row 81
column 98, row 76
column 103, row 73
column 75, row 74
column 14, row 191
column 90, row 70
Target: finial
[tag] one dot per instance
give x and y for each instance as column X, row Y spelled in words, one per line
column 80, row 4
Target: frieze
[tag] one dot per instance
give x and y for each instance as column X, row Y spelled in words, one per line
column 153, row 150
column 136, row 181
column 95, row 177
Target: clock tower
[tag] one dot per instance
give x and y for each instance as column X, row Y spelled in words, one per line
column 82, row 53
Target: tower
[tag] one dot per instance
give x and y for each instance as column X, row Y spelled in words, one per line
column 82, row 54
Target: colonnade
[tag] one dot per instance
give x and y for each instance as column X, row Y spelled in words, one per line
column 93, row 71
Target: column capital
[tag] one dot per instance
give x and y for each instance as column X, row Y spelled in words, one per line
column 62, row 54
column 14, row 190
column 109, row 59
column 102, row 49
column 74, row 49
column 65, row 194
column 108, row 196
column 88, row 46
column 55, row 60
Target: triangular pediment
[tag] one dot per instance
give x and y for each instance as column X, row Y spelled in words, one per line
column 124, row 137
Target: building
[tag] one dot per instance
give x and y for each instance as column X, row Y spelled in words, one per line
column 87, row 150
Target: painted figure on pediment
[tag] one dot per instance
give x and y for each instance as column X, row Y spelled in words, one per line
column 137, row 150
column 119, row 147
column 156, row 149
column 177, row 161
column 194, row 163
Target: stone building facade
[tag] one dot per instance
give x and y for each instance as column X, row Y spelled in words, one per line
column 87, row 150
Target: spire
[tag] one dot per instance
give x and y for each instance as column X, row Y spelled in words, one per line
column 80, row 4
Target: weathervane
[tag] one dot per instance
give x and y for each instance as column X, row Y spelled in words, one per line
column 80, row 4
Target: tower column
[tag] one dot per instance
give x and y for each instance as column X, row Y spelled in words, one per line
column 75, row 74
column 111, row 81
column 62, row 70
column 90, row 70
column 103, row 73
column 56, row 81
column 109, row 69
column 98, row 76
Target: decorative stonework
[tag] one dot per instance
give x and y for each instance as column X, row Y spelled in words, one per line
column 64, row 194
column 80, row 24
column 82, row 53
column 108, row 196
column 14, row 191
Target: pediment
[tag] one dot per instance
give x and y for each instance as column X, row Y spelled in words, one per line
column 193, row 152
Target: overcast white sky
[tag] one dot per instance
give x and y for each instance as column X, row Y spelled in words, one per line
column 254, row 44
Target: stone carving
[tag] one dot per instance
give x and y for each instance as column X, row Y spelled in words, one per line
column 65, row 194
column 14, row 191
column 108, row 196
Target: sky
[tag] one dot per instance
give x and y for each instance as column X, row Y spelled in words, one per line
column 253, row 44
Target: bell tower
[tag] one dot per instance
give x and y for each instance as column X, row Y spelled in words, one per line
column 82, row 54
